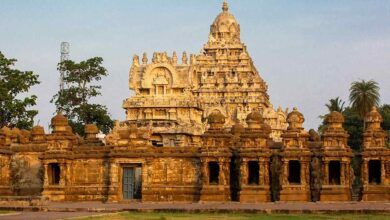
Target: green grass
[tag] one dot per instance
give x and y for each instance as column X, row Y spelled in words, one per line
column 230, row 216
column 2, row 212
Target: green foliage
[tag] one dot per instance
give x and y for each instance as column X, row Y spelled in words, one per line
column 335, row 105
column 385, row 112
column 354, row 125
column 363, row 96
column 15, row 111
column 80, row 80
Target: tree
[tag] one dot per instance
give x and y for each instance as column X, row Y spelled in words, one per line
column 15, row 111
column 354, row 126
column 363, row 96
column 80, row 80
column 385, row 112
column 335, row 105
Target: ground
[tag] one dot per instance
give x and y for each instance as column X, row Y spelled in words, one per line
column 228, row 216
column 181, row 211
column 181, row 216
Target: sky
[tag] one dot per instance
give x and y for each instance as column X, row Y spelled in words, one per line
column 308, row 51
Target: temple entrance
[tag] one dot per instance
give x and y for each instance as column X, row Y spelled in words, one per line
column 374, row 172
column 213, row 173
column 131, row 182
column 334, row 172
column 294, row 172
column 54, row 173
column 253, row 173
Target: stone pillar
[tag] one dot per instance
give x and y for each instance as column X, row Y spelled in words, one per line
column 326, row 173
column 46, row 175
column 244, row 172
column 303, row 174
column 223, row 172
column 204, row 172
column 308, row 173
column 383, row 172
column 62, row 174
column 266, row 173
column 285, row 173
column 226, row 172
column 348, row 180
column 342, row 173
column 365, row 172
column 261, row 173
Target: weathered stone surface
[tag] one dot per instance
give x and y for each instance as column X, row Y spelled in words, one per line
column 199, row 130
column 376, row 180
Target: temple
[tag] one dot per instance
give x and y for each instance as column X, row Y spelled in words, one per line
column 199, row 129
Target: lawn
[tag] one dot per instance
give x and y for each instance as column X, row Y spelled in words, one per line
column 3, row 212
column 230, row 216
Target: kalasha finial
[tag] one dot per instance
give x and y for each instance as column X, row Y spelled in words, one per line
column 225, row 6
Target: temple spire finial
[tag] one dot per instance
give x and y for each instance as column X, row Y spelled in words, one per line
column 225, row 6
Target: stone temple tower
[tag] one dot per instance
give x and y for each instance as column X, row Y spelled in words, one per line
column 176, row 98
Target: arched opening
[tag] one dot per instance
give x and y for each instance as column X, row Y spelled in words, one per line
column 253, row 173
column 334, row 172
column 294, row 172
column 54, row 173
column 213, row 173
column 374, row 172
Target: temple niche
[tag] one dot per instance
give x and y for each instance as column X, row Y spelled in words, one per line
column 376, row 160
column 296, row 157
column 252, row 145
column 336, row 158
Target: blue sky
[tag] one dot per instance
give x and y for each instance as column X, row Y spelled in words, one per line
column 307, row 51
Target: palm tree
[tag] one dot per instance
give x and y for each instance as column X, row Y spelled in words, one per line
column 363, row 96
column 335, row 105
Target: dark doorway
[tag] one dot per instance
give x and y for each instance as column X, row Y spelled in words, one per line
column 253, row 173
column 294, row 172
column 132, row 182
column 54, row 173
column 374, row 171
column 334, row 172
column 213, row 173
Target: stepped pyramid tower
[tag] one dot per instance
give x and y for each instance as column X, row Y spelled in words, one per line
column 175, row 98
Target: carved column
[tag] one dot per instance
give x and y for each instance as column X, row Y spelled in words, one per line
column 326, row 173
column 62, row 174
column 223, row 172
column 285, row 172
column 383, row 172
column 266, row 173
column 204, row 172
column 303, row 174
column 365, row 172
column 348, row 177
column 244, row 171
column 342, row 173
column 226, row 172
column 261, row 172
column 46, row 175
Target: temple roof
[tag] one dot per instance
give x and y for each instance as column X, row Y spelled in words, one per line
column 225, row 26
